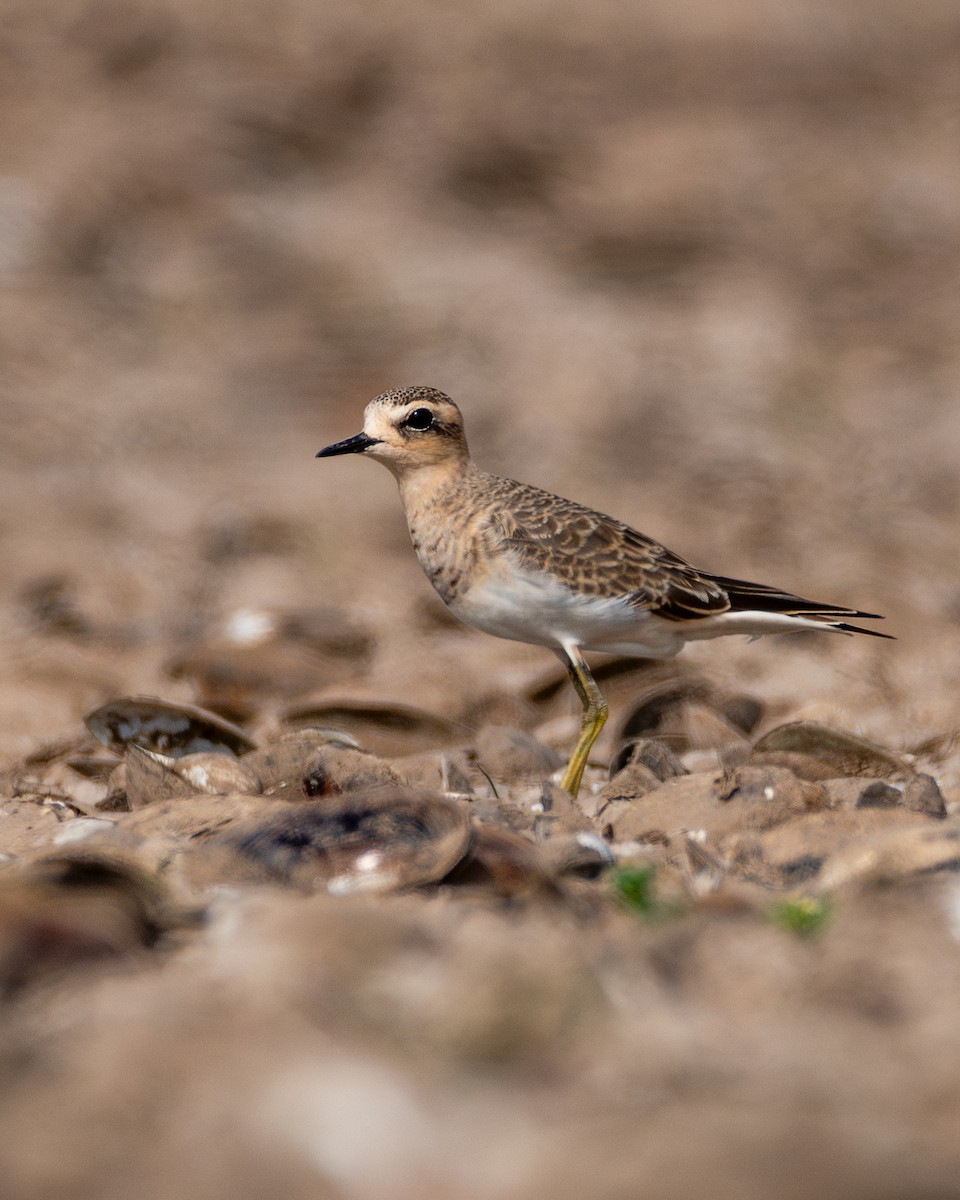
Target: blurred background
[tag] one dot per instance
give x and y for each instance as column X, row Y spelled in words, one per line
column 692, row 263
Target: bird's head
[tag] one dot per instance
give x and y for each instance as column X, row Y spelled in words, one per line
column 407, row 429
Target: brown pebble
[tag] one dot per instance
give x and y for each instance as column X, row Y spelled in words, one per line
column 651, row 753
column 633, row 782
column 847, row 753
column 377, row 840
column 153, row 777
column 286, row 756
column 334, row 771
column 922, row 794
column 150, row 778
column 308, row 763
column 164, row 727
column 879, row 795
column 216, row 774
column 584, row 856
column 506, row 863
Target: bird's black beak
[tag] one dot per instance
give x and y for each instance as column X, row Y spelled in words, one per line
column 353, row 445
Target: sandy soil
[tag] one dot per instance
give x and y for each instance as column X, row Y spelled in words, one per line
column 694, row 264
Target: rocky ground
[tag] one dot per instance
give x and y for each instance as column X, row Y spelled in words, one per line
column 312, row 918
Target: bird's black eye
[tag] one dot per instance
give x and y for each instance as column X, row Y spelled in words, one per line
column 420, row 418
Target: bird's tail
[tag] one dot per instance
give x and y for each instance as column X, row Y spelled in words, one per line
column 758, row 598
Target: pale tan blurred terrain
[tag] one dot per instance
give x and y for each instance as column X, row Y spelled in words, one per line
column 697, row 264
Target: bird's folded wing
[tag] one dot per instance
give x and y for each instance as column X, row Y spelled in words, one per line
column 596, row 555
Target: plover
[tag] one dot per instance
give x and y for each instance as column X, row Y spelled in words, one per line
column 520, row 563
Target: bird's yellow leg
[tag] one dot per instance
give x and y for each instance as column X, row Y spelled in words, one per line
column 591, row 720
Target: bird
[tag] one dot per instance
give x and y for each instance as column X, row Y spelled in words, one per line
column 523, row 564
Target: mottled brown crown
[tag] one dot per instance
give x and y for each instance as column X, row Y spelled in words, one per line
column 417, row 394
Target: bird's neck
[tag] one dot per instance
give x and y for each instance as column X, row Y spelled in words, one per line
column 434, row 484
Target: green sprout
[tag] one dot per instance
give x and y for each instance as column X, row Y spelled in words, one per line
column 634, row 888
column 805, row 916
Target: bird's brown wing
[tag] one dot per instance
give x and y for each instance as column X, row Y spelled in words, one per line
column 597, row 555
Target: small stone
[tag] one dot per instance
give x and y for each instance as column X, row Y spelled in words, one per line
column 215, row 774
column 631, row 783
column 922, row 794
column 584, row 856
column 164, row 727
column 150, row 778
column 504, row 862
column 651, row 753
column 879, row 795
column 453, row 778
column 307, row 763
column 847, row 753
column 375, row 840
column 335, row 771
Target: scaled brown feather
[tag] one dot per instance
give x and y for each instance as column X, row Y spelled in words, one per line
column 597, row 555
